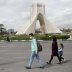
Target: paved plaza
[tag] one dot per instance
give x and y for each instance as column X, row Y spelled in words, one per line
column 14, row 56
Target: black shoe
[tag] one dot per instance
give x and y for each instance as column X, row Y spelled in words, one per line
column 41, row 67
column 28, row 67
column 48, row 63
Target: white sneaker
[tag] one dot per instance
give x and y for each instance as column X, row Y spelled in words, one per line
column 64, row 60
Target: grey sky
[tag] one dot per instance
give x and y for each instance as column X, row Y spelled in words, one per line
column 15, row 13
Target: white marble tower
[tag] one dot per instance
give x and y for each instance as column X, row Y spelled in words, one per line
column 38, row 13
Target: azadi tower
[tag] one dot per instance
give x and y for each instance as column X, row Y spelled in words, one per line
column 38, row 13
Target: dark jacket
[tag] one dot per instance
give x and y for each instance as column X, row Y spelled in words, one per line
column 54, row 48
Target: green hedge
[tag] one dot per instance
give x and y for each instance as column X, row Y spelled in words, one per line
column 38, row 36
column 2, row 37
column 49, row 37
column 20, row 37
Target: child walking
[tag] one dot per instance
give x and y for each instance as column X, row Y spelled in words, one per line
column 60, row 51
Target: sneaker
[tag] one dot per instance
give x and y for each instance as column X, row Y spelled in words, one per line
column 60, row 63
column 41, row 67
column 48, row 63
column 28, row 67
column 64, row 60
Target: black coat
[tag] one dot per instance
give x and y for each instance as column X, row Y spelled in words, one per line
column 54, row 48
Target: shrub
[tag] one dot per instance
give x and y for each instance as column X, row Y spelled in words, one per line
column 20, row 37
column 38, row 36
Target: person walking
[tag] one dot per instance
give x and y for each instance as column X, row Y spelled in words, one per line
column 54, row 51
column 34, row 53
column 60, row 51
column 8, row 39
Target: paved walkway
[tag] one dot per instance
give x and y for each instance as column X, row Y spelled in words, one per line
column 14, row 56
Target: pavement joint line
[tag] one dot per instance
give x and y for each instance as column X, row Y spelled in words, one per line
column 28, row 40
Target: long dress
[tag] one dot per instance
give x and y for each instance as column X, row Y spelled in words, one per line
column 54, row 49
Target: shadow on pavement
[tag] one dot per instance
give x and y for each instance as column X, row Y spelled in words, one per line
column 67, row 61
column 11, row 62
column 45, row 66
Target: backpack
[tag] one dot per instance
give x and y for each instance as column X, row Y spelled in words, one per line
column 39, row 46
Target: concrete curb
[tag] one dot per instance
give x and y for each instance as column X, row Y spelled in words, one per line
column 29, row 40
column 19, row 40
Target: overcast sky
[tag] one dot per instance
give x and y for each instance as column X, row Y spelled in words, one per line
column 15, row 13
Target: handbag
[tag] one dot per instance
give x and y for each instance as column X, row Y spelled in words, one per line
column 39, row 46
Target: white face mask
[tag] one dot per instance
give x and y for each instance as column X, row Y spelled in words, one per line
column 30, row 37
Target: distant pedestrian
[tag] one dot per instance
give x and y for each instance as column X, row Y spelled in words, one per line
column 34, row 53
column 54, row 51
column 8, row 39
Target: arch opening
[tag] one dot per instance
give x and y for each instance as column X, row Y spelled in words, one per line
column 40, row 18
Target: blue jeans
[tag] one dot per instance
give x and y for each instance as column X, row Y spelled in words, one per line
column 33, row 55
column 60, row 53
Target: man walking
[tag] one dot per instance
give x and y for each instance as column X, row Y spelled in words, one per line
column 34, row 53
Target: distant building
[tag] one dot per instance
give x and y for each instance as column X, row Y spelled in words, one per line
column 38, row 30
column 11, row 31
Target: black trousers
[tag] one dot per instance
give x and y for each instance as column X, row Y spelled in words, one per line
column 53, row 57
column 61, row 57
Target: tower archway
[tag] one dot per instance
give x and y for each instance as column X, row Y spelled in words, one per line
column 41, row 22
column 37, row 12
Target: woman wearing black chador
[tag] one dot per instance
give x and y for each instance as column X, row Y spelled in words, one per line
column 54, row 50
